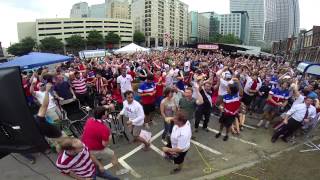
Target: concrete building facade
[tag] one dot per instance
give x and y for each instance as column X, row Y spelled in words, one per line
column 118, row 9
column 256, row 13
column 282, row 20
column 236, row 23
column 63, row 28
column 164, row 22
column 199, row 28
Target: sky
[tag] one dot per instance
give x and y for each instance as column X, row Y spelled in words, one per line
column 13, row 11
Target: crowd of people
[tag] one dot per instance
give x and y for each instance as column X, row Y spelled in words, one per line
column 184, row 86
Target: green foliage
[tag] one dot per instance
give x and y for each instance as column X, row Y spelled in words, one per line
column 95, row 39
column 112, row 38
column 216, row 38
column 75, row 43
column 138, row 37
column 51, row 44
column 22, row 48
column 227, row 39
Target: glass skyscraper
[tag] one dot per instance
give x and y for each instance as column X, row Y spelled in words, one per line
column 256, row 13
column 283, row 20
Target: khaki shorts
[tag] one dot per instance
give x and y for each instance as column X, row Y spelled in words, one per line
column 103, row 153
column 136, row 130
column 54, row 113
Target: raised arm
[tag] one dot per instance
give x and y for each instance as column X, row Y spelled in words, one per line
column 44, row 106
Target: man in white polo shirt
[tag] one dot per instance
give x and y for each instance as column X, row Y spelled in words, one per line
column 124, row 82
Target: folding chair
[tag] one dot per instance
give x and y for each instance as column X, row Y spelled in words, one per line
column 73, row 111
column 308, row 138
column 116, row 126
column 76, row 127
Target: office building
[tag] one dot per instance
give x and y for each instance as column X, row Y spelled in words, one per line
column 282, row 20
column 199, row 28
column 256, row 13
column 62, row 28
column 236, row 23
column 80, row 10
column 98, row 11
column 117, row 9
column 164, row 22
column 1, row 50
column 214, row 22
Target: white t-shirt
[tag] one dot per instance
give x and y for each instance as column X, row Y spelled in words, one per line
column 223, row 87
column 39, row 95
column 125, row 83
column 187, row 66
column 134, row 112
column 181, row 137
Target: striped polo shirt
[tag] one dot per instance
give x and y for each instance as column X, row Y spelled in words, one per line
column 79, row 86
column 231, row 104
column 80, row 164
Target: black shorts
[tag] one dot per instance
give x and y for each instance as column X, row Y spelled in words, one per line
column 47, row 129
column 148, row 108
column 247, row 99
column 227, row 120
column 177, row 159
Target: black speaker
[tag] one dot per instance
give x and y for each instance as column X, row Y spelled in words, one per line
column 18, row 129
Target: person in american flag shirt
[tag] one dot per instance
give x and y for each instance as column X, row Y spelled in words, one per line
column 75, row 161
column 230, row 107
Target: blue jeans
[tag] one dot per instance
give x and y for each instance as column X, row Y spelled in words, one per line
column 167, row 130
column 104, row 175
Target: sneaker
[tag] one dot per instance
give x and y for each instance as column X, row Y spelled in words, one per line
column 164, row 142
column 267, row 125
column 225, row 138
column 241, row 128
column 175, row 170
column 122, row 172
column 260, row 123
column 218, row 135
column 206, row 129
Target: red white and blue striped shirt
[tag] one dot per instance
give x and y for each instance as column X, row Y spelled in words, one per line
column 278, row 95
column 80, row 164
column 79, row 86
column 147, row 88
column 231, row 104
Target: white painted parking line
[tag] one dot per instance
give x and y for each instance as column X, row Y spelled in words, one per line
column 108, row 166
column 206, row 147
column 232, row 137
column 132, row 172
column 157, row 150
column 248, row 126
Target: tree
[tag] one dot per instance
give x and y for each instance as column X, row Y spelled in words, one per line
column 230, row 39
column 95, row 39
column 138, row 37
column 25, row 46
column 75, row 43
column 215, row 38
column 51, row 44
column 112, row 38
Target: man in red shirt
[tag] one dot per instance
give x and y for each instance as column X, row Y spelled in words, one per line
column 96, row 136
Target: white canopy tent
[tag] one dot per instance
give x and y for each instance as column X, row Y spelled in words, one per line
column 131, row 48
